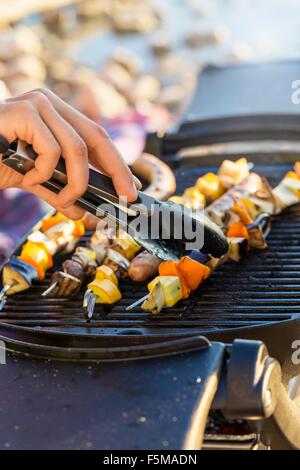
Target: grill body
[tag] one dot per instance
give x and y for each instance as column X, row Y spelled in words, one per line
column 256, row 298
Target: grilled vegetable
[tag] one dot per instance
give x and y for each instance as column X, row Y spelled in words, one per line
column 67, row 283
column 38, row 256
column 232, row 173
column 155, row 301
column 254, row 193
column 238, row 247
column 77, row 226
column 105, row 291
column 258, row 231
column 143, row 266
column 87, row 258
column 39, row 237
column 214, row 263
column 285, row 196
column 237, row 230
column 210, row 187
column 63, row 285
column 171, row 289
column 18, row 275
column 171, row 268
column 129, row 248
column 117, row 262
column 242, row 211
column 105, row 272
column 183, row 201
column 287, row 193
column 194, row 196
column 74, row 268
column 193, row 272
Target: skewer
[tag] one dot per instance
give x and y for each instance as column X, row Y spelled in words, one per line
column 136, row 303
column 3, row 296
column 49, row 290
column 89, row 303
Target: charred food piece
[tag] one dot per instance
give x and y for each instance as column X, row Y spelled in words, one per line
column 18, row 275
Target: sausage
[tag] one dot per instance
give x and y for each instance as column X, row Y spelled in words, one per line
column 159, row 176
column 143, row 266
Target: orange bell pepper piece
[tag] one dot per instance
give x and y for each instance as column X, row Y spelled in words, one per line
column 238, row 230
column 240, row 209
column 193, row 272
column 79, row 230
column 170, row 268
column 35, row 265
column 51, row 221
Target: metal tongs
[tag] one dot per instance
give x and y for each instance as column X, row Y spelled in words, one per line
column 101, row 200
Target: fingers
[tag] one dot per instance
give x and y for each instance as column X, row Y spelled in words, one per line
column 114, row 166
column 72, row 148
column 90, row 221
column 21, row 120
column 102, row 152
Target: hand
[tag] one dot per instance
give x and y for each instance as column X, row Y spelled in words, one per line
column 54, row 128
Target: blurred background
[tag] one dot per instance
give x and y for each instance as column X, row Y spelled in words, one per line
column 130, row 65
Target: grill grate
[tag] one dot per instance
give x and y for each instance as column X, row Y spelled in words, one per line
column 261, row 290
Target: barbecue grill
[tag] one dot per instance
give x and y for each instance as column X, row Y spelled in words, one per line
column 256, row 299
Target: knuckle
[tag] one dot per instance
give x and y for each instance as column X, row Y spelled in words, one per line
column 38, row 98
column 80, row 148
column 55, row 150
column 43, row 91
column 99, row 130
column 25, row 107
column 44, row 172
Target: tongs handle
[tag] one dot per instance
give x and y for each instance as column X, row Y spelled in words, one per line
column 96, row 180
column 20, row 157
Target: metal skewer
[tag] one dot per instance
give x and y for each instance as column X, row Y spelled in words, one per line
column 50, row 289
column 136, row 303
column 89, row 302
column 3, row 296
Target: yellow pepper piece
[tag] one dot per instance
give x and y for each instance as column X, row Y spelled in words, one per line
column 106, row 291
column 105, row 272
column 171, row 288
column 237, row 171
column 183, row 201
column 38, row 253
column 155, row 301
column 194, row 194
column 210, row 185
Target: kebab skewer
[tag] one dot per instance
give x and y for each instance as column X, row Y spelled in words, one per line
column 104, row 288
column 80, row 267
column 173, row 273
column 107, row 259
column 56, row 234
column 243, row 213
column 145, row 265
